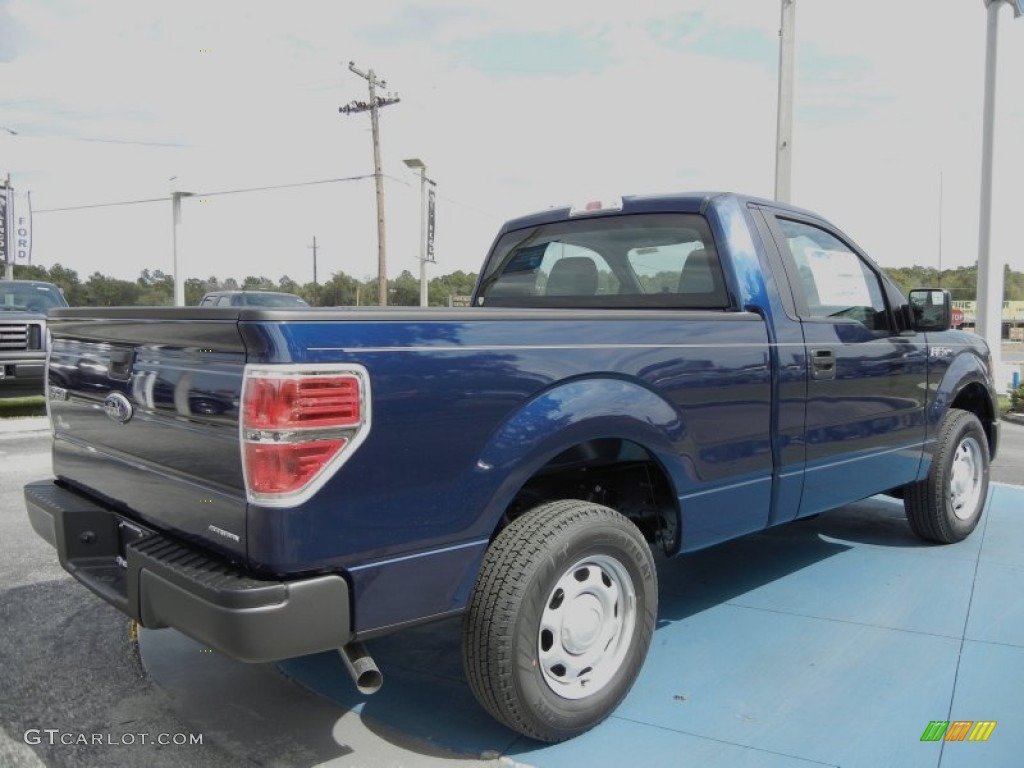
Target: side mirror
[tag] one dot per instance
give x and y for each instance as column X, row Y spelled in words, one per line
column 931, row 309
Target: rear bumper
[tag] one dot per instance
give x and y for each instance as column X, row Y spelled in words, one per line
column 162, row 582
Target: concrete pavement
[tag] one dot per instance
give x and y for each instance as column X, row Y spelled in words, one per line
column 843, row 625
column 834, row 641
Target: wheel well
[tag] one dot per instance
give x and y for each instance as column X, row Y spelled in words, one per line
column 616, row 473
column 974, row 398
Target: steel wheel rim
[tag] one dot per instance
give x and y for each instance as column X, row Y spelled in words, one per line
column 966, row 479
column 587, row 626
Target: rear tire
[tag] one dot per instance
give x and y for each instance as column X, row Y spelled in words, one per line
column 947, row 505
column 560, row 620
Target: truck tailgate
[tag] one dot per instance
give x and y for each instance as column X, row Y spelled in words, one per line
column 145, row 417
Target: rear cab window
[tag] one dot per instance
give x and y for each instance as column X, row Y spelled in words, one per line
column 627, row 261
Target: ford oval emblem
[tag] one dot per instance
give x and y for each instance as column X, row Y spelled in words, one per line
column 118, row 407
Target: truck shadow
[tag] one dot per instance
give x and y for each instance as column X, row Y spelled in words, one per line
column 425, row 700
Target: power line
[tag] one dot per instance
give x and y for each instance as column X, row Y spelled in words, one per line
column 21, row 135
column 207, row 194
column 283, row 186
column 102, row 205
column 446, row 198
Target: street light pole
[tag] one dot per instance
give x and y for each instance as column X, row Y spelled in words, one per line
column 416, row 164
column 179, row 284
column 990, row 274
column 784, row 132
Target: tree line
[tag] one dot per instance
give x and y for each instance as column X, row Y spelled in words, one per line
column 154, row 288
column 962, row 282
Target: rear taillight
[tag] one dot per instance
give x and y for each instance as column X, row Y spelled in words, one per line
column 299, row 424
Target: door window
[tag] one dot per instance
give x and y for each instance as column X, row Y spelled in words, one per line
column 836, row 283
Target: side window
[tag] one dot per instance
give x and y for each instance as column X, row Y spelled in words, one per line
column 836, row 282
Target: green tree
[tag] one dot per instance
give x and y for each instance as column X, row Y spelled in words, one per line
column 31, row 272
column 195, row 289
column 404, row 290
column 67, row 280
column 252, row 283
column 287, row 285
column 340, row 291
column 103, row 291
column 155, row 289
column 458, row 283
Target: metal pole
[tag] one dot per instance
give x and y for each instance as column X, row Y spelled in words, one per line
column 8, row 220
column 990, row 274
column 378, row 177
column 316, row 285
column 784, row 133
column 179, row 285
column 940, row 230
column 423, row 236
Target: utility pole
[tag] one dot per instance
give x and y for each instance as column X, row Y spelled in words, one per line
column 784, row 133
column 373, row 106
column 316, row 285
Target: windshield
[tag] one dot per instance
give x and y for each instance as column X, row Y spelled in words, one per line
column 269, row 300
column 29, row 297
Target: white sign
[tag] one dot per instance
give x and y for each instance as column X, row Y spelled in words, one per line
column 21, row 229
column 430, row 225
column 839, row 278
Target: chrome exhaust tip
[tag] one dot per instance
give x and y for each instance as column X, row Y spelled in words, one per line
column 362, row 668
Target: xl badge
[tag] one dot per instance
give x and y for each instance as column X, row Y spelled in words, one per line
column 118, row 407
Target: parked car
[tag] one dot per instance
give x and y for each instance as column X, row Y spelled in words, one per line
column 252, row 299
column 646, row 373
column 23, row 307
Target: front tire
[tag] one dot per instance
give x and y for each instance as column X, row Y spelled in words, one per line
column 560, row 620
column 947, row 505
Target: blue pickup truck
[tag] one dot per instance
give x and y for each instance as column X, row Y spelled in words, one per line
column 637, row 375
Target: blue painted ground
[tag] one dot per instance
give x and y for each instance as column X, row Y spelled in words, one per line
column 833, row 641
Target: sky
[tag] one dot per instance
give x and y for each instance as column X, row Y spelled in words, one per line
column 513, row 107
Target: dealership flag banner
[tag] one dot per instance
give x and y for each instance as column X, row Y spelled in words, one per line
column 20, row 233
column 430, row 224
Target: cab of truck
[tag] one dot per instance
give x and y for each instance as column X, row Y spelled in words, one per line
column 269, row 299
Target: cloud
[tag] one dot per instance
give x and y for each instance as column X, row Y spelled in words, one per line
column 508, row 114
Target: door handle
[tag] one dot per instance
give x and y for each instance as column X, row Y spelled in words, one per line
column 823, row 364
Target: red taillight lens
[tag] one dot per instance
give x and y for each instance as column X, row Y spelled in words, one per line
column 299, row 424
column 287, row 467
column 293, row 401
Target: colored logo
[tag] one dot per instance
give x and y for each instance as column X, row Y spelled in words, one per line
column 958, row 730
